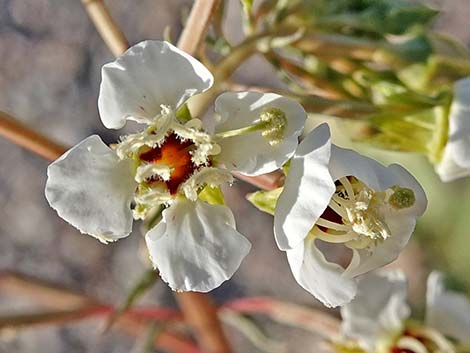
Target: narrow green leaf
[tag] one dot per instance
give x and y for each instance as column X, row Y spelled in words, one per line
column 144, row 283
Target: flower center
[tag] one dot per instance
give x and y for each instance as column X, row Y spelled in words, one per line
column 421, row 339
column 174, row 153
column 355, row 214
column 172, row 159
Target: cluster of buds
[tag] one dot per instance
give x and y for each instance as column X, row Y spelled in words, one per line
column 380, row 61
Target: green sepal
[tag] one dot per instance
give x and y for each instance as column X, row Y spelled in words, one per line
column 212, row 195
column 183, row 114
column 265, row 200
column 412, row 49
column 367, row 18
column 286, row 167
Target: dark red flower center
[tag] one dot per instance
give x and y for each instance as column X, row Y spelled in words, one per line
column 175, row 153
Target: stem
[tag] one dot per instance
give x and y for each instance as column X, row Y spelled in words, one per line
column 334, row 46
column 223, row 70
column 310, row 319
column 61, row 299
column 309, row 81
column 197, row 308
column 352, row 109
column 196, row 26
column 51, row 317
column 25, row 137
column 201, row 314
column 106, row 26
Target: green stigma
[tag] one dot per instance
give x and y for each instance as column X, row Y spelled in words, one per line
column 275, row 121
column 402, row 198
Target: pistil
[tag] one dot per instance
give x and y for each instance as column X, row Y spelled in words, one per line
column 272, row 125
column 354, row 214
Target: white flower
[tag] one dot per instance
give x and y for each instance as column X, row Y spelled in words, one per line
column 338, row 196
column 455, row 162
column 447, row 311
column 173, row 163
column 378, row 318
column 379, row 310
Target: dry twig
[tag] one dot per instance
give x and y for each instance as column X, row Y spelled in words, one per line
column 70, row 306
column 106, row 26
column 23, row 136
column 197, row 24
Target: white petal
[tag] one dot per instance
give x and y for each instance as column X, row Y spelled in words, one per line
column 196, row 246
column 307, row 190
column 346, row 162
column 251, row 153
column 384, row 252
column 447, row 311
column 378, row 309
column 459, row 123
column 400, row 222
column 321, row 278
column 448, row 169
column 455, row 161
column 146, row 76
column 92, row 189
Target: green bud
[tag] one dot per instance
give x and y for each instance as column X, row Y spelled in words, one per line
column 422, row 132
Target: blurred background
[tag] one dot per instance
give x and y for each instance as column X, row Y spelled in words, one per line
column 50, row 60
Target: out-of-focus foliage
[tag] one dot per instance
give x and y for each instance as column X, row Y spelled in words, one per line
column 367, row 18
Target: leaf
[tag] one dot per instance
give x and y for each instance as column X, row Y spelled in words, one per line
column 146, row 344
column 246, row 326
column 144, row 283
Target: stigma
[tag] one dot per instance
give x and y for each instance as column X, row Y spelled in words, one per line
column 275, row 125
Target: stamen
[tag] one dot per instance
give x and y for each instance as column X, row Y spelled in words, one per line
column 205, row 176
column 333, row 238
column 348, row 187
column 332, row 225
column 272, row 124
column 147, row 171
column 411, row 344
column 337, row 207
column 353, row 215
